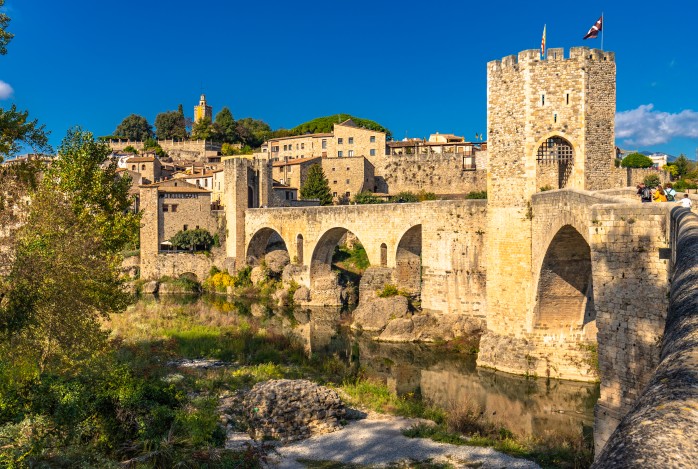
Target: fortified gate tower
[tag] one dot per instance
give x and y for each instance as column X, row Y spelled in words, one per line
column 550, row 125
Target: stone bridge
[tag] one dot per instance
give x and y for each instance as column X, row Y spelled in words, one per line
column 596, row 266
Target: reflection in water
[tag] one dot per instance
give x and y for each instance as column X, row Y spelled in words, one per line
column 525, row 406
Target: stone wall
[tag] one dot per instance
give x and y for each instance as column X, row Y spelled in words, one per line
column 661, row 426
column 348, row 175
column 438, row 173
column 631, row 284
column 175, row 264
column 631, row 177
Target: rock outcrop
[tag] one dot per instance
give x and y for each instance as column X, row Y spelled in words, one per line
column 276, row 261
column 374, row 316
column 291, row 410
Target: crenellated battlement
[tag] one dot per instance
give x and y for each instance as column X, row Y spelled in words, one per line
column 532, row 56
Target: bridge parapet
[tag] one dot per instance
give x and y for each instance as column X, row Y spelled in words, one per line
column 662, row 424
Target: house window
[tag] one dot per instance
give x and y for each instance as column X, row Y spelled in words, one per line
column 351, row 140
column 324, row 144
column 373, row 139
column 143, row 167
column 351, row 152
column 165, row 208
column 347, row 181
column 302, row 146
column 568, row 98
column 186, row 227
column 133, row 167
column 287, row 195
column 348, row 168
column 542, row 100
column 372, row 152
column 333, row 169
column 340, row 141
column 290, row 169
column 334, row 194
column 340, row 154
column 348, row 194
column 197, row 227
column 173, row 207
column 334, row 182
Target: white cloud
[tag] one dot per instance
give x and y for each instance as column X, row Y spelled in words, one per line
column 5, row 90
column 645, row 126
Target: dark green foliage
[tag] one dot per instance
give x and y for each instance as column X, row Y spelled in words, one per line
column 193, row 240
column 170, row 125
column 151, row 144
column 5, row 37
column 652, row 180
column 682, row 166
column 326, row 124
column 130, row 149
column 16, row 131
column 253, row 132
column 204, row 130
column 354, row 258
column 682, row 185
column 134, row 127
column 636, row 160
column 316, row 186
column 226, row 127
column 476, row 195
column 366, row 197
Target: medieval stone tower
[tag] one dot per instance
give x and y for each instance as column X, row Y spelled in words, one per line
column 550, row 126
column 248, row 184
column 203, row 110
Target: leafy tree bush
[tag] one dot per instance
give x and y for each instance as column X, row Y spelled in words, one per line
column 683, row 184
column 652, row 180
column 366, row 197
column 193, row 240
column 316, row 186
column 636, row 160
column 16, row 131
column 672, row 170
column 226, row 126
column 253, row 132
column 152, row 145
column 130, row 149
column 134, row 127
column 682, row 166
column 405, row 196
column 170, row 125
column 204, row 130
column 326, row 124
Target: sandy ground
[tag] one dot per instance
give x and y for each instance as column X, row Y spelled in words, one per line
column 377, row 440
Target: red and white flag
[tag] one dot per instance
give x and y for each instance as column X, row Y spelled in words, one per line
column 594, row 31
column 542, row 43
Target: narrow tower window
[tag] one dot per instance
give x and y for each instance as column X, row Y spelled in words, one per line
column 542, row 100
column 554, row 117
column 568, row 98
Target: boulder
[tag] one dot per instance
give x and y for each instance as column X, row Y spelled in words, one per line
column 291, row 410
column 258, row 275
column 150, row 288
column 373, row 280
column 436, row 327
column 293, row 272
column 302, row 295
column 280, row 297
column 375, row 315
column 167, row 288
column 398, row 330
column 276, row 261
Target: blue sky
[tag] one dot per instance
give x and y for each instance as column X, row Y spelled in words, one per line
column 415, row 67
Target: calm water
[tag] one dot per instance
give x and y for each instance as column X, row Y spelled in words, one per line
column 526, row 406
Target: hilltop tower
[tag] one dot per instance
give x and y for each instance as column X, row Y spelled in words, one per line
column 202, row 110
column 550, row 126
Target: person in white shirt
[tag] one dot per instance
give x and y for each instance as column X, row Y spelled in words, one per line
column 686, row 202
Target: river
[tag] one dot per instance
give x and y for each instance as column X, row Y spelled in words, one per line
column 525, row 405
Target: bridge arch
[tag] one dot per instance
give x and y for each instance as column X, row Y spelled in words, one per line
column 321, row 259
column 555, row 158
column 564, row 295
column 262, row 242
column 408, row 260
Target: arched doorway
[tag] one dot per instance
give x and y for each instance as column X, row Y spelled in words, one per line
column 408, row 260
column 262, row 243
column 555, row 160
column 564, row 302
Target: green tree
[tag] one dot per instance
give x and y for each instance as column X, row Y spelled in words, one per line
column 204, row 130
column 226, row 126
column 134, row 127
column 151, row 144
column 130, row 149
column 87, row 177
column 5, row 37
column 682, row 165
column 16, row 130
column 326, row 124
column 636, row 160
column 170, row 125
column 253, row 132
column 193, row 240
column 316, row 186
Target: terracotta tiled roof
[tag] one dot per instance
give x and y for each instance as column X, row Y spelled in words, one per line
column 141, row 159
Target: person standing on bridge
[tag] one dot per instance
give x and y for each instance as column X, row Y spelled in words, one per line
column 686, row 202
column 659, row 195
column 644, row 192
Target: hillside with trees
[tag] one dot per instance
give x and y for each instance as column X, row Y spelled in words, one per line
column 325, row 124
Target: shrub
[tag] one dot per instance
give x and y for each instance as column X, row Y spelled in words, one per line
column 405, row 196
column 388, row 291
column 636, row 160
column 652, row 180
column 366, row 197
column 545, row 188
column 130, row 149
column 193, row 240
column 476, row 195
